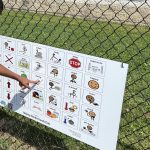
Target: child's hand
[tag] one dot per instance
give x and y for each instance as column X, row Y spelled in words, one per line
column 24, row 82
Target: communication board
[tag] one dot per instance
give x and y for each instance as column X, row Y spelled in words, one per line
column 79, row 95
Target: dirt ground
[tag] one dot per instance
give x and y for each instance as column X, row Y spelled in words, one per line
column 12, row 143
column 20, row 133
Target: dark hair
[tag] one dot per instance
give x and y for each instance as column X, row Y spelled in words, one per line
column 1, row 6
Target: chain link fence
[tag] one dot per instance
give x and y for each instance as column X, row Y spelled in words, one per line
column 112, row 29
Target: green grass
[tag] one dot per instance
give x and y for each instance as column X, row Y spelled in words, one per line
column 125, row 43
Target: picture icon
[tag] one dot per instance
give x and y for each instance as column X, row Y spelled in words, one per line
column 55, row 58
column 23, row 63
column 93, row 84
column 38, row 53
column 55, row 72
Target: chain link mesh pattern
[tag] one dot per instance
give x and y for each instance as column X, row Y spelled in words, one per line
column 113, row 29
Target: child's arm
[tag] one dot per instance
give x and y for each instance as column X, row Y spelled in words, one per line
column 7, row 73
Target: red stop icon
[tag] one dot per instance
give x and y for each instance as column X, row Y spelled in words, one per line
column 75, row 63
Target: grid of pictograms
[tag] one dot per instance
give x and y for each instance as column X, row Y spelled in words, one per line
column 71, row 85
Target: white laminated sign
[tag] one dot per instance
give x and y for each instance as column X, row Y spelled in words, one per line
column 79, row 95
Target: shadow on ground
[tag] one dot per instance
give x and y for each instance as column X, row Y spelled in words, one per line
column 20, row 133
column 12, row 130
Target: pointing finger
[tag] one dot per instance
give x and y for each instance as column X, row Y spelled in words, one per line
column 30, row 81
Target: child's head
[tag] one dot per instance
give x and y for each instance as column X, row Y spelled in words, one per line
column 1, row 6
